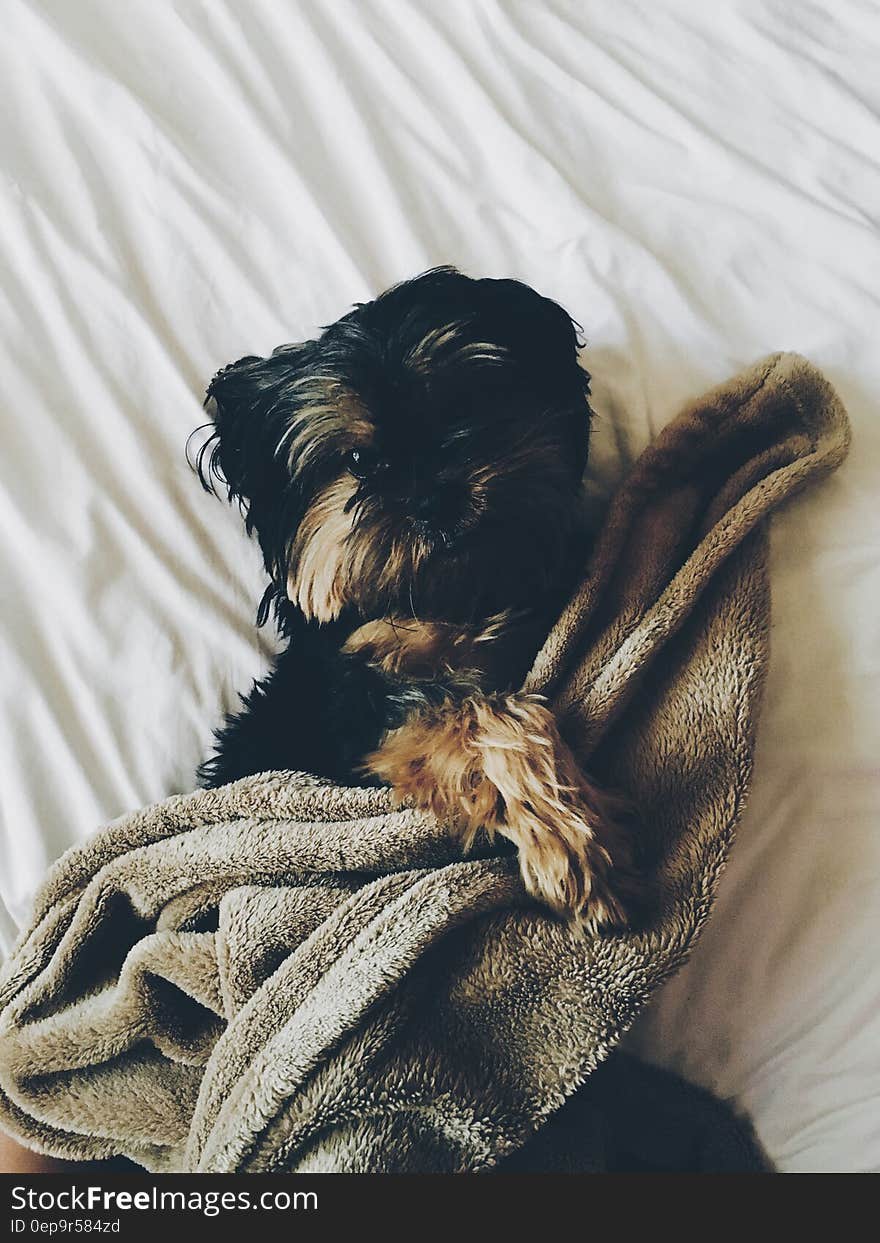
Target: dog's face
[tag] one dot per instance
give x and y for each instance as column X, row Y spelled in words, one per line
column 422, row 455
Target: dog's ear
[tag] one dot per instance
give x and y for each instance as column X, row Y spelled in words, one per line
column 245, row 403
column 250, row 403
column 220, row 457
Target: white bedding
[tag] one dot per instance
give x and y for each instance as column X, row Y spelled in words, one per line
column 699, row 184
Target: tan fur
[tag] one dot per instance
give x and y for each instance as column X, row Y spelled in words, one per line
column 326, row 411
column 317, row 578
column 444, row 345
column 498, row 763
column 408, row 645
column 340, row 553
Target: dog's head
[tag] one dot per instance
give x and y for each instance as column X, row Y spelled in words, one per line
column 423, row 454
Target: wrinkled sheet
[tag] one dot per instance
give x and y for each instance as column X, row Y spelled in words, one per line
column 698, row 184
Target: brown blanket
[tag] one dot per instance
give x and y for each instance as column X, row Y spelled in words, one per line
column 283, row 974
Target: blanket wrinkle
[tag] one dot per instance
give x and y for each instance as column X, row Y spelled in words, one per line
column 288, row 975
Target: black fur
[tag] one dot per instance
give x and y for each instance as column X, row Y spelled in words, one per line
column 440, row 413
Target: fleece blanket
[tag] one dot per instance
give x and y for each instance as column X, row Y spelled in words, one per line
column 286, row 975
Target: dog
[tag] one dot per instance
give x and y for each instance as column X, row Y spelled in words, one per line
column 413, row 477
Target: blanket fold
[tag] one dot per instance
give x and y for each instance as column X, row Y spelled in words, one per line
column 287, row 975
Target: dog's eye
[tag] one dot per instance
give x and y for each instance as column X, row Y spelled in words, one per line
column 363, row 462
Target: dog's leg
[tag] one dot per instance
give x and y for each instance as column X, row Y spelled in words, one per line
column 497, row 763
column 314, row 711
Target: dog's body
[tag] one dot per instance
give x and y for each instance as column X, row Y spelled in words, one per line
column 413, row 477
column 338, row 687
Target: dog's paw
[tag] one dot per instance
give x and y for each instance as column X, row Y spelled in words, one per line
column 565, row 865
column 497, row 764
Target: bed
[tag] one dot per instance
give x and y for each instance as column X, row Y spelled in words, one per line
column 699, row 185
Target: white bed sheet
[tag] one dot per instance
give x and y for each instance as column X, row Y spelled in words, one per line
column 183, row 183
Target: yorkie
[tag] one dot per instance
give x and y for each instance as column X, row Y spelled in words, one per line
column 413, row 478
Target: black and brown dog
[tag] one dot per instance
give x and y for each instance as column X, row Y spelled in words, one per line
column 413, row 477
